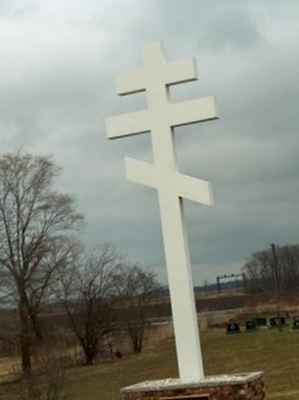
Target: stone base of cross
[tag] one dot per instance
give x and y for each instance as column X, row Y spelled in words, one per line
column 160, row 119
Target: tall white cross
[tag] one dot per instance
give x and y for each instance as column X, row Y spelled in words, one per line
column 160, row 119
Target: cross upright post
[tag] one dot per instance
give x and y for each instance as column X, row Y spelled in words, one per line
column 160, row 119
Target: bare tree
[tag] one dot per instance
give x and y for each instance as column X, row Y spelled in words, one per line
column 274, row 270
column 139, row 286
column 35, row 222
column 48, row 380
column 89, row 293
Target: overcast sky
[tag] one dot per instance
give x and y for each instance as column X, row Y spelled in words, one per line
column 59, row 59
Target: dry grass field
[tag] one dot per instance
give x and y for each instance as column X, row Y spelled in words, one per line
column 276, row 353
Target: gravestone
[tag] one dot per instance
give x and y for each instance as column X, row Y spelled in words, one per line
column 160, row 119
column 277, row 322
column 296, row 322
column 232, row 327
column 261, row 323
column 250, row 325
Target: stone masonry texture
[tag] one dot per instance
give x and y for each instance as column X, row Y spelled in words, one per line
column 252, row 390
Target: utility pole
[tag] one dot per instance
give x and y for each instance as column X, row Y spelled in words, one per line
column 276, row 282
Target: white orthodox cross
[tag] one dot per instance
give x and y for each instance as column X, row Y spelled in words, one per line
column 160, row 119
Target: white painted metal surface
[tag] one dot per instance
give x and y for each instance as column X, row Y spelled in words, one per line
column 160, row 119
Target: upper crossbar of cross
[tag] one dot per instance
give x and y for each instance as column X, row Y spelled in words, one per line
column 159, row 119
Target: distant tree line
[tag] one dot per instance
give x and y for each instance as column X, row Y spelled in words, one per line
column 274, row 270
column 44, row 269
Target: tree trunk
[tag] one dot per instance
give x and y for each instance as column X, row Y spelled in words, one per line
column 36, row 327
column 90, row 350
column 25, row 353
column 90, row 355
column 25, row 340
column 136, row 332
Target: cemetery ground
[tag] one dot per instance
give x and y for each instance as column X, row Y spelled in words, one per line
column 276, row 353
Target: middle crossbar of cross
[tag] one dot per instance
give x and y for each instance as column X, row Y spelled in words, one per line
column 160, row 119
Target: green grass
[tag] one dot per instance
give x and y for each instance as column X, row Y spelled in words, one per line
column 275, row 353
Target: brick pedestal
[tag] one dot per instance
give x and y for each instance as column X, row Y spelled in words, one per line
column 249, row 386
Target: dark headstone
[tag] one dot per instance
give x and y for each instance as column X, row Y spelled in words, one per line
column 277, row 321
column 261, row 322
column 250, row 325
column 232, row 327
column 296, row 322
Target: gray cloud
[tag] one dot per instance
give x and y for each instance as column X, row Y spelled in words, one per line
column 58, row 64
